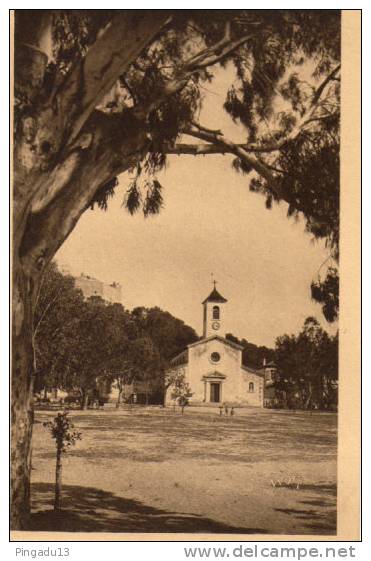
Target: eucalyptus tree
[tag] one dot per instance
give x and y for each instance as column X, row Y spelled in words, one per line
column 100, row 92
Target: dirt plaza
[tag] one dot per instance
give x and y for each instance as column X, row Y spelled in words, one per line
column 155, row 470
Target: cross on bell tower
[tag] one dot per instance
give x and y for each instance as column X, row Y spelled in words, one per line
column 213, row 312
column 215, row 282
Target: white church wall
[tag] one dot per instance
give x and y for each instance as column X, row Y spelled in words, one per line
column 201, row 364
column 251, row 395
column 235, row 385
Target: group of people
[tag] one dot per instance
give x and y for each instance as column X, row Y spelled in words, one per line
column 227, row 410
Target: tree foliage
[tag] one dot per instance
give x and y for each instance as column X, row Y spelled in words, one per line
column 63, row 431
column 326, row 292
column 181, row 391
column 284, row 96
column 252, row 355
column 56, row 334
column 170, row 334
column 308, row 366
column 81, row 344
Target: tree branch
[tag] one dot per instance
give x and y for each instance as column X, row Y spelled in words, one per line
column 215, row 53
column 44, row 312
column 319, row 91
column 308, row 117
column 195, row 149
column 113, row 52
column 206, row 57
column 206, row 129
column 228, row 146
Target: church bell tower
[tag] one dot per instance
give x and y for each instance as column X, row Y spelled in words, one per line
column 214, row 314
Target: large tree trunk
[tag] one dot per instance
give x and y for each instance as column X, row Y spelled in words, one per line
column 36, row 239
column 64, row 152
column 21, row 395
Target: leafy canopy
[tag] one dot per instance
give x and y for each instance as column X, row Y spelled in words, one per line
column 80, row 342
column 284, row 95
column 308, row 364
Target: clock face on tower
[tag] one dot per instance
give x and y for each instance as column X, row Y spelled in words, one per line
column 215, row 325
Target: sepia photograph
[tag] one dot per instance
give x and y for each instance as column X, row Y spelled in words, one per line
column 177, row 333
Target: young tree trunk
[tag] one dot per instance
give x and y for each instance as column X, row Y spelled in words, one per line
column 119, row 398
column 166, row 387
column 84, row 400
column 322, row 390
column 58, row 480
column 309, row 397
column 21, row 396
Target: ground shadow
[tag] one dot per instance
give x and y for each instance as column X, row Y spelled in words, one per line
column 86, row 509
column 321, row 520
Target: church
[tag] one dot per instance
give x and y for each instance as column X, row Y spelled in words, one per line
column 213, row 365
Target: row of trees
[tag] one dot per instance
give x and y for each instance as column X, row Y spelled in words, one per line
column 81, row 344
column 307, row 365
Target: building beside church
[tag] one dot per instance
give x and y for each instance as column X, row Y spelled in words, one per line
column 272, row 395
column 213, row 365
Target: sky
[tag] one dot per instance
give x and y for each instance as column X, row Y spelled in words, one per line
column 211, row 224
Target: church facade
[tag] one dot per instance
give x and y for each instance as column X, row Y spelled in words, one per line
column 213, row 365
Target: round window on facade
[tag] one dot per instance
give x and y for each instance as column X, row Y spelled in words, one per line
column 215, row 357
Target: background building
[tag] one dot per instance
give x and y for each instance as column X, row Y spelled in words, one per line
column 91, row 286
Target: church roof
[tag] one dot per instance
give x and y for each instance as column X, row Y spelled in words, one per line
column 180, row 359
column 253, row 370
column 214, row 296
column 222, row 339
